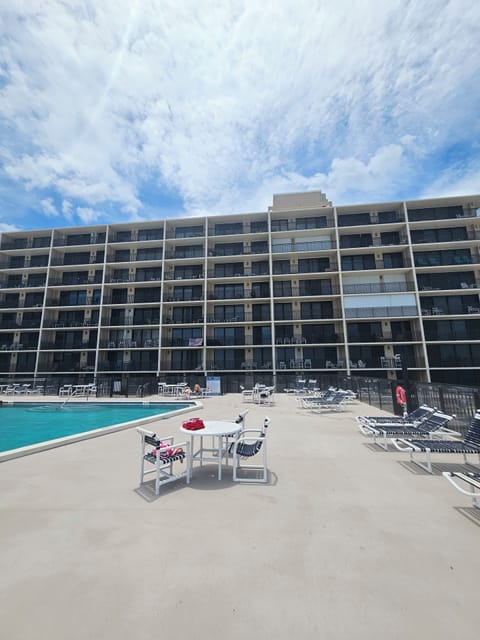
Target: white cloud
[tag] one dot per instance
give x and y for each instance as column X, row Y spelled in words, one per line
column 4, row 228
column 215, row 101
column 456, row 181
column 87, row 215
column 49, row 208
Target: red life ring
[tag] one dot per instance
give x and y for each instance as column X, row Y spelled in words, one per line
column 401, row 395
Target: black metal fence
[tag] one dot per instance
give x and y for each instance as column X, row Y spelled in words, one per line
column 457, row 400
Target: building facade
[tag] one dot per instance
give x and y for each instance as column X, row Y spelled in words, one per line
column 303, row 288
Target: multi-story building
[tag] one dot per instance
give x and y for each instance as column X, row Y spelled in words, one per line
column 303, row 288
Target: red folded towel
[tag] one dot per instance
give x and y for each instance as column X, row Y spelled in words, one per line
column 193, row 424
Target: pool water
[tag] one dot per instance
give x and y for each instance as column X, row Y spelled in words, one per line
column 25, row 424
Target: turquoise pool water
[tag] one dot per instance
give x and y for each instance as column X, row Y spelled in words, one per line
column 24, row 424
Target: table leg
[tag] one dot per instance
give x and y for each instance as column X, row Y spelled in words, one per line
column 220, row 440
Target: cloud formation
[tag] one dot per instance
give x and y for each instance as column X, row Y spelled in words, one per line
column 123, row 109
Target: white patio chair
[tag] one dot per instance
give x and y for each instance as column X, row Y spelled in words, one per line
column 250, row 443
column 165, row 453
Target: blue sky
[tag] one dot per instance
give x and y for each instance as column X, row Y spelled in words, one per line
column 118, row 110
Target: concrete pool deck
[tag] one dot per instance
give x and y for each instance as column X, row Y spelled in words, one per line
column 346, row 541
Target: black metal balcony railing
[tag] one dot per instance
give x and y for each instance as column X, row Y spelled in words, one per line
column 55, row 282
column 180, row 255
column 302, row 246
column 381, row 312
column 185, row 276
column 377, row 287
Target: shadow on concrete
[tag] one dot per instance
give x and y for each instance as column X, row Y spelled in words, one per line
column 472, row 513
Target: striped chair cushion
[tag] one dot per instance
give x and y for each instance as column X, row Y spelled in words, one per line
column 447, row 446
column 246, row 449
column 164, row 459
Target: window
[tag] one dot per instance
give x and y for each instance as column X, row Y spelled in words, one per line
column 146, row 316
column 262, row 335
column 358, row 240
column 280, row 225
column 187, row 314
column 191, row 271
column 225, row 336
column 148, row 274
column 260, row 268
column 41, row 242
column 313, row 265
column 318, row 222
column 355, row 263
column 224, row 291
column 281, row 266
column 191, row 251
column 151, row 294
column 282, row 288
column 192, row 292
column 263, row 357
column 73, row 297
column 34, row 299
column 229, row 358
column 122, row 255
column 185, row 337
column 228, row 228
column 260, row 312
column 149, row 254
column 283, row 311
column 319, row 333
column 435, row 213
column 40, row 261
column 364, row 331
column 282, row 332
column 353, row 219
column 260, row 289
column 388, row 216
column 36, row 279
column 435, row 258
column 230, row 249
column 315, row 287
column 184, row 359
column 83, row 238
column 259, row 226
column 150, row 234
column 119, row 296
column 392, row 260
column 313, row 310
column 17, row 262
column 229, row 312
column 123, row 236
column 193, row 231
column 390, row 237
column 259, row 247
column 228, row 269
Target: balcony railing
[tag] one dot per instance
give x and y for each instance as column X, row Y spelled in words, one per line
column 381, row 312
column 378, row 287
column 302, row 246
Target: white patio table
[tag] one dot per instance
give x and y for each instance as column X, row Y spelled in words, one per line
column 218, row 429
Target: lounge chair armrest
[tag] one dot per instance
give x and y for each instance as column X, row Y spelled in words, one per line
column 146, row 432
column 450, row 477
column 367, row 430
column 449, row 432
column 407, row 446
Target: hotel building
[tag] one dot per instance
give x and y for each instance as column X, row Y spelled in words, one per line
column 301, row 289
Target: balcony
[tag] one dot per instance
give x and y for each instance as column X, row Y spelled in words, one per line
column 378, row 287
column 302, row 246
column 381, row 312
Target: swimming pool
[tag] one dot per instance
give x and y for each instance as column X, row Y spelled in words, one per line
column 24, row 424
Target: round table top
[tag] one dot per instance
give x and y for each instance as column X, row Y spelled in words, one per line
column 215, row 428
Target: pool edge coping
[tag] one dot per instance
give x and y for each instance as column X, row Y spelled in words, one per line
column 94, row 433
